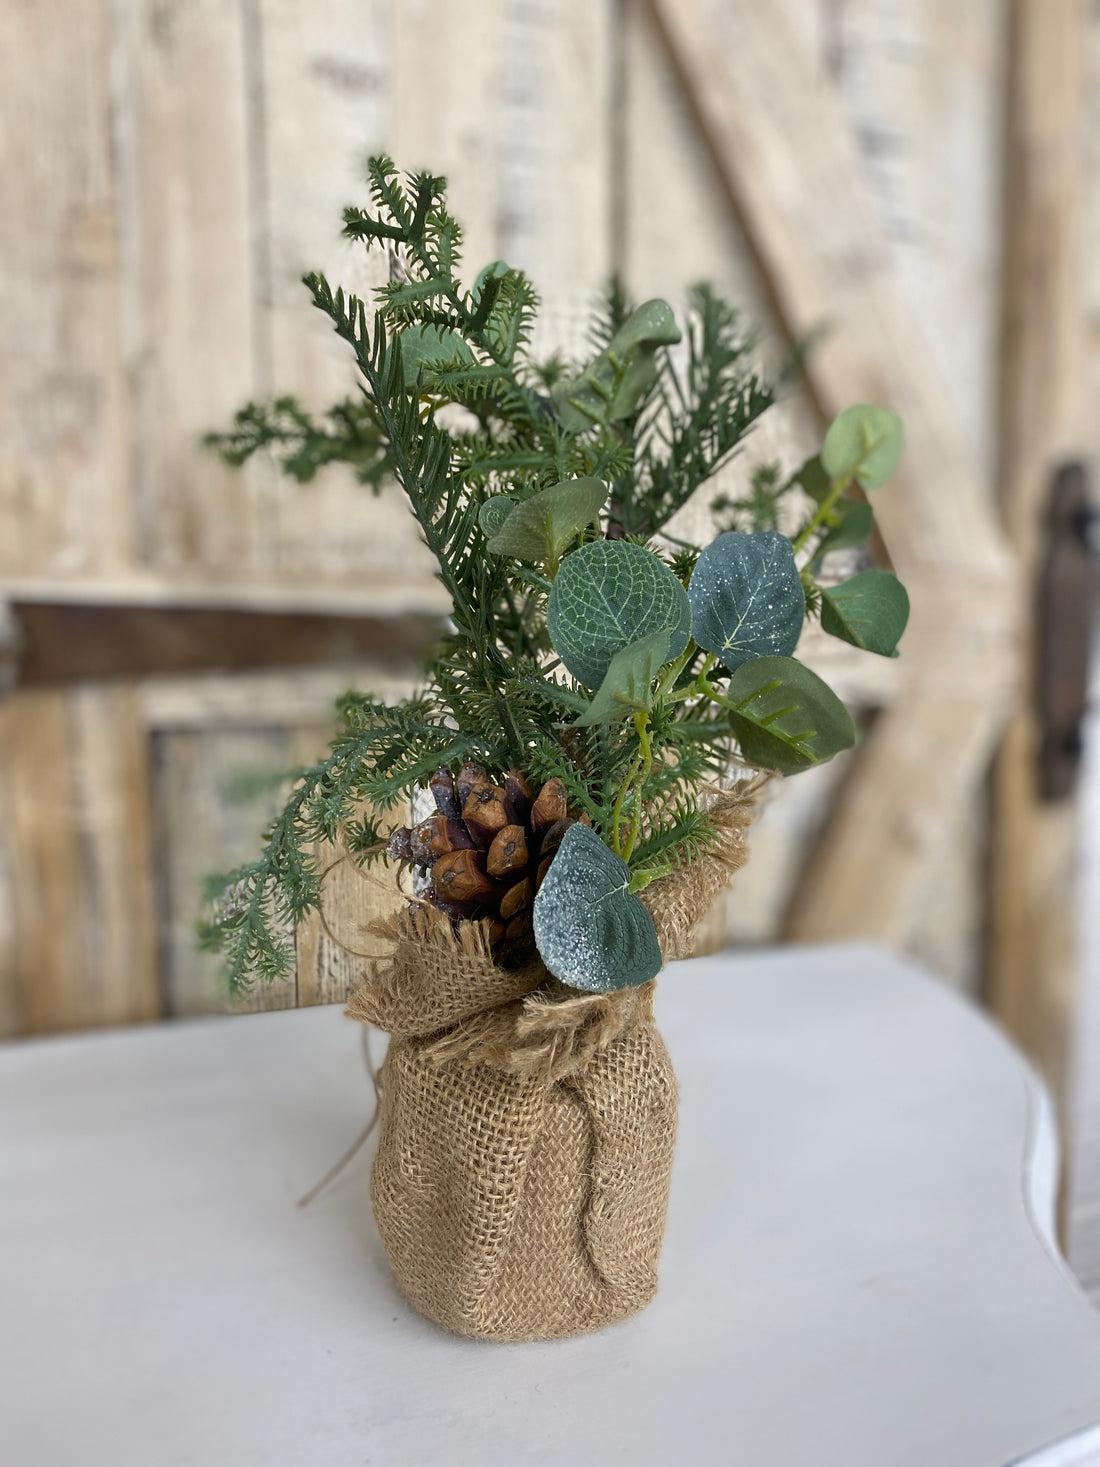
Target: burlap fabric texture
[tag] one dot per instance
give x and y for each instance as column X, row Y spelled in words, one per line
column 522, row 1174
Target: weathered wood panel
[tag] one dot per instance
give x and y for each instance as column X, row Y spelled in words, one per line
column 322, row 94
column 186, row 215
column 209, row 146
column 218, row 746
column 1034, row 847
column 788, row 164
column 205, row 823
column 64, row 457
column 76, row 801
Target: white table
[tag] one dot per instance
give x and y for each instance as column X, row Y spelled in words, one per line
column 858, row 1267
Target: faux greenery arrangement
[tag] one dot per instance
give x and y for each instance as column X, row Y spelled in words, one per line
column 599, row 679
column 586, row 645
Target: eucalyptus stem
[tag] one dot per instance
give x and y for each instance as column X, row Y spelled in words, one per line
column 695, row 688
column 616, row 813
column 836, row 489
column 645, row 754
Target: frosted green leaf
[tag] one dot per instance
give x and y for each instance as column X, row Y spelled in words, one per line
column 541, row 527
column 869, row 610
column 628, row 684
column 606, row 595
column 494, row 512
column 746, row 597
column 592, row 932
column 863, row 443
column 613, row 384
column 784, row 717
column 431, row 346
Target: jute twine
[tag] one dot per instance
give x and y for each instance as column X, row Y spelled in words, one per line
column 521, row 1180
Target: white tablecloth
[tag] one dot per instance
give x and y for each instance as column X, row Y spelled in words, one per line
column 857, row 1268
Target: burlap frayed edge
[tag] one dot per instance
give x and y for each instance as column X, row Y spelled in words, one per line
column 551, row 1034
column 679, row 902
column 416, row 934
column 541, row 1027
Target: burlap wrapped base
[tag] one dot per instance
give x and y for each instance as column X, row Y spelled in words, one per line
column 522, row 1174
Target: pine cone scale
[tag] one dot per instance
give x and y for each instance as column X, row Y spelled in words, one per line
column 487, row 850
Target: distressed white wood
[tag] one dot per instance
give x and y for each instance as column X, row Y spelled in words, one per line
column 858, row 1268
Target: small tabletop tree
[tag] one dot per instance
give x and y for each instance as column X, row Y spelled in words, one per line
column 589, row 651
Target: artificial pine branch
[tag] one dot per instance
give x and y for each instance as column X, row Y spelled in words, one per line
column 648, row 421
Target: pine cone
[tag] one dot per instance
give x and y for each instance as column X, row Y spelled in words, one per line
column 486, row 852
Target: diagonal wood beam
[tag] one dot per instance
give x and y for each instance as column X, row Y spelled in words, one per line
column 788, row 164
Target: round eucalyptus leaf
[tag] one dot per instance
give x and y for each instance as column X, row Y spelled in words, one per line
column 812, row 479
column 542, row 526
column 494, row 512
column 863, row 443
column 606, row 595
column 784, row 717
column 746, row 597
column 613, row 383
column 431, row 347
column 592, row 932
column 628, row 684
column 869, row 610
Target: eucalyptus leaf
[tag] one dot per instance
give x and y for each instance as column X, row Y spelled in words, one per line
column 541, row 527
column 784, row 717
column 613, row 384
column 592, row 932
column 813, row 479
column 863, row 444
column 869, row 610
column 855, row 521
column 628, row 684
column 606, row 595
column 494, row 512
column 431, row 346
column 746, row 597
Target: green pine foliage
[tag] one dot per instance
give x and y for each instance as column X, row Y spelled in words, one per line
column 651, row 420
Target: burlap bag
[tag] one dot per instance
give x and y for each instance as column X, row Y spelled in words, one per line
column 522, row 1174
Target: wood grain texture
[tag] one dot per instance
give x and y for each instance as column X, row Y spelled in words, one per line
column 207, row 821
column 64, row 426
column 63, row 642
column 187, row 221
column 322, row 95
column 1034, row 847
column 76, row 800
column 783, row 150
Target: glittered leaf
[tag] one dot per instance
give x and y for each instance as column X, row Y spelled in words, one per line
column 784, row 717
column 628, row 684
column 746, row 597
column 869, row 610
column 606, row 595
column 592, row 932
column 864, row 444
column 541, row 527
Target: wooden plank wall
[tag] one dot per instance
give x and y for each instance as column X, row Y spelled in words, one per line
column 190, row 161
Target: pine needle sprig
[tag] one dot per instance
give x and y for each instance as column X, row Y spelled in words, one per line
column 652, row 422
